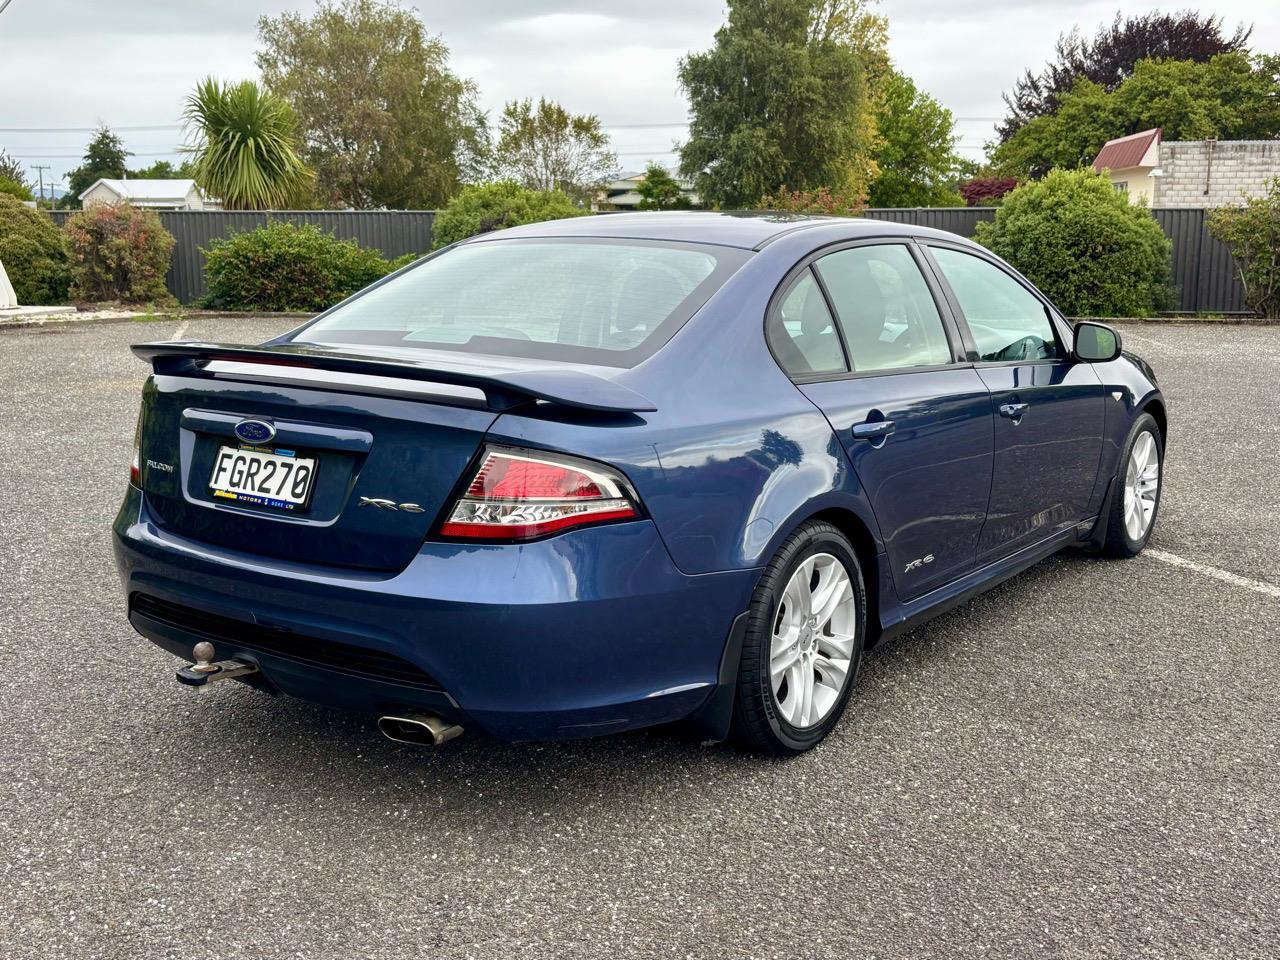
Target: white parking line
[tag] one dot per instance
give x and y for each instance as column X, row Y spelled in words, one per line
column 1217, row 573
column 182, row 328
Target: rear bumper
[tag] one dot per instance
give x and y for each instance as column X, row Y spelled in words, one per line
column 592, row 632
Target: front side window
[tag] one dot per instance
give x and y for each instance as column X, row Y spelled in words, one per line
column 588, row 301
column 885, row 309
column 802, row 333
column 1006, row 321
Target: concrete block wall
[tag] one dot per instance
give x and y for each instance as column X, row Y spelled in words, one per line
column 1230, row 169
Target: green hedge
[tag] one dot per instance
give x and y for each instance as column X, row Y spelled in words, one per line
column 495, row 206
column 283, row 267
column 34, row 253
column 1084, row 244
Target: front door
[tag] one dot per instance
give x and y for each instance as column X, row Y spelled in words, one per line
column 1048, row 409
column 915, row 422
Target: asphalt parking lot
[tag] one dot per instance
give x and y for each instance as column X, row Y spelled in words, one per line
column 1081, row 763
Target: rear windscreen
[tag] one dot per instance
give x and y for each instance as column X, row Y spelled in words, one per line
column 597, row 301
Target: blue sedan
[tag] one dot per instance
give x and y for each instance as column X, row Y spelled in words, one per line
column 586, row 476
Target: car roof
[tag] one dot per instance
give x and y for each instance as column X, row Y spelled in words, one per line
column 749, row 230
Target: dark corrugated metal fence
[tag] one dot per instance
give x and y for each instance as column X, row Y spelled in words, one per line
column 1204, row 274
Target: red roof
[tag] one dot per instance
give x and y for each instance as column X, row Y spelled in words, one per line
column 1125, row 151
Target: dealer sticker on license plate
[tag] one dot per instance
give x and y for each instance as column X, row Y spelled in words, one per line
column 275, row 478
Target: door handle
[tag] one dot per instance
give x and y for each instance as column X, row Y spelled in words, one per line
column 873, row 430
column 1013, row 411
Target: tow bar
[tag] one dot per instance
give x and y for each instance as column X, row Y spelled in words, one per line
column 205, row 670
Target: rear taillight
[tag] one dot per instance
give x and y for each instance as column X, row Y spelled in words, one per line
column 523, row 494
column 135, row 466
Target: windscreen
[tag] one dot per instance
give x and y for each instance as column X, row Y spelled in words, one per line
column 598, row 301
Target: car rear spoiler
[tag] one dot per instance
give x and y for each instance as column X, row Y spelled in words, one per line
column 503, row 388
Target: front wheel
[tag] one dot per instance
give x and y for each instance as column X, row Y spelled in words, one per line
column 1136, row 499
column 803, row 643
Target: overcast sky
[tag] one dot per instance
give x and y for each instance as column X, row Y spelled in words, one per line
column 129, row 63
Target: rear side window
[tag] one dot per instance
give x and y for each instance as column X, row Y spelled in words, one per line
column 1006, row 320
column 802, row 333
column 588, row 301
column 885, row 309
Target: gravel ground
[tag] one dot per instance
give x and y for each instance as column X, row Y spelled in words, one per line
column 1080, row 763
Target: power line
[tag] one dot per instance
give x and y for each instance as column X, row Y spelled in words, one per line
column 154, row 126
column 3, row 4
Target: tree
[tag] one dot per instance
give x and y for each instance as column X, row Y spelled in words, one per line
column 163, row 170
column 15, row 189
column 496, row 206
column 1232, row 97
column 916, row 155
column 244, row 152
column 781, row 99
column 11, row 169
column 105, row 156
column 986, row 191
column 384, row 121
column 659, row 190
column 1081, row 242
column 1252, row 233
column 1109, row 58
column 548, row 148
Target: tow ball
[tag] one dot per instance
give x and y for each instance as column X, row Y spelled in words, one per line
column 206, row 670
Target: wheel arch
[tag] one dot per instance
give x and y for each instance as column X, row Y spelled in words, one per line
column 1155, row 406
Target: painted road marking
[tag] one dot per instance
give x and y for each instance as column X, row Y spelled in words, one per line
column 1216, row 573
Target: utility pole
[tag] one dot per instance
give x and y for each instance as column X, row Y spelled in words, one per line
column 40, row 169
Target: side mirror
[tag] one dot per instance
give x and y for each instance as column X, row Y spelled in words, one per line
column 1095, row 342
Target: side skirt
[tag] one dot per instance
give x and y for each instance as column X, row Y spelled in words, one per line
column 908, row 616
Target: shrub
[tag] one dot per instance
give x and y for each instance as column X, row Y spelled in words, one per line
column 1081, row 242
column 986, row 191
column 1252, row 234
column 16, row 188
column 820, row 201
column 284, row 267
column 34, row 253
column 118, row 252
column 496, row 206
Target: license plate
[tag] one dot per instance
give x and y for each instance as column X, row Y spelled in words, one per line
column 275, row 478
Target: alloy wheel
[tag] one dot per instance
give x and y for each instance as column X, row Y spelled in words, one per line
column 1141, row 486
column 814, row 634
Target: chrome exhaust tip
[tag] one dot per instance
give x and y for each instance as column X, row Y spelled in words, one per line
column 419, row 729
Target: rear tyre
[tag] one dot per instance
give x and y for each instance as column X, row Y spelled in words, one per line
column 803, row 643
column 1135, row 500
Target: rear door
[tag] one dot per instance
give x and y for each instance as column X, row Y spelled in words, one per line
column 861, row 331
column 1049, row 409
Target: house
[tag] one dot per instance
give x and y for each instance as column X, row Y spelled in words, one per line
column 1190, row 173
column 156, row 194
column 1132, row 163
column 624, row 192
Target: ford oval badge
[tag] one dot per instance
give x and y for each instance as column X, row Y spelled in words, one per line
column 255, row 432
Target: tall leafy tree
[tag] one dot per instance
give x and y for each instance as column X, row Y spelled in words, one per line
column 245, row 150
column 781, row 100
column 916, row 156
column 105, row 156
column 1110, row 56
column 548, row 148
column 1232, row 97
column 384, row 121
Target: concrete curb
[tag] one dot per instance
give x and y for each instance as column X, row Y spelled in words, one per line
column 72, row 320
